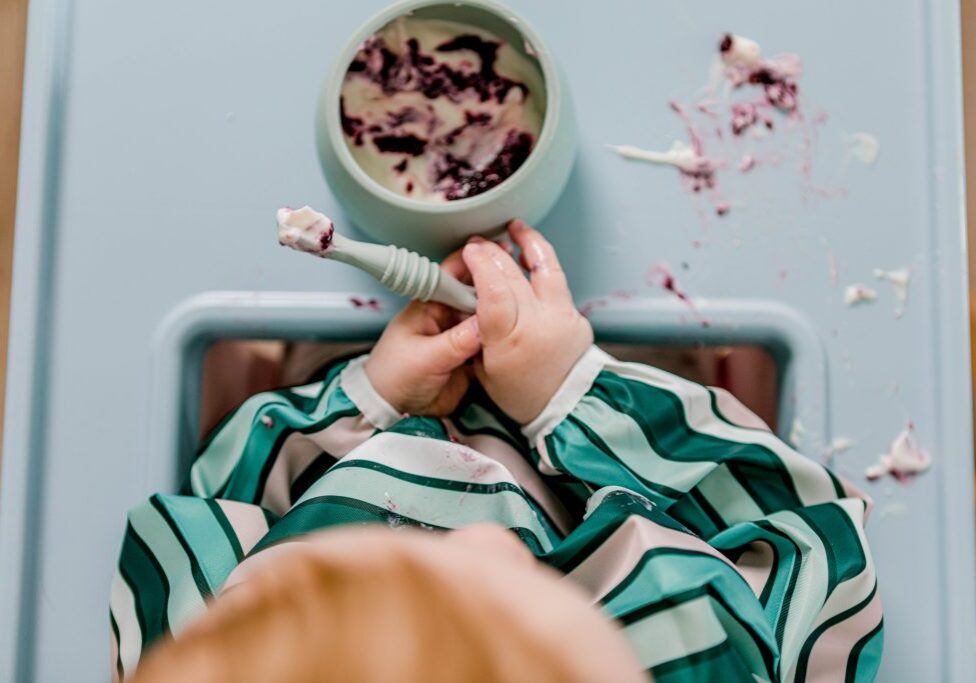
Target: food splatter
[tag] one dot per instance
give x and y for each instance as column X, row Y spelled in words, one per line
column 838, row 445
column 899, row 280
column 775, row 78
column 661, row 275
column 746, row 163
column 697, row 171
column 857, row 294
column 863, row 147
column 587, row 307
column 371, row 304
column 797, row 433
column 832, row 270
column 747, row 101
column 482, row 470
column 904, row 461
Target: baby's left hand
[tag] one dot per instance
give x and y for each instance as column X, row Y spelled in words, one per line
column 418, row 365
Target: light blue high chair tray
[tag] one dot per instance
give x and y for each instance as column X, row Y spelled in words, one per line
column 158, row 139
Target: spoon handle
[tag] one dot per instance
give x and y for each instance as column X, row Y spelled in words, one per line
column 404, row 272
column 417, row 277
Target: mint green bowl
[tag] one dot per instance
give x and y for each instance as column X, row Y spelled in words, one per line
column 434, row 228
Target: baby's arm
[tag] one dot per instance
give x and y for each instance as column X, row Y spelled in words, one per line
column 792, row 532
column 531, row 332
column 632, row 425
column 262, row 450
column 610, row 423
column 776, row 538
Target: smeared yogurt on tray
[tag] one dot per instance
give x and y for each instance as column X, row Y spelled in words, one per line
column 438, row 111
column 859, row 294
column 904, row 461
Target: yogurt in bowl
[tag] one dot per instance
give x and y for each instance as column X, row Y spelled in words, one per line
column 442, row 120
column 440, row 111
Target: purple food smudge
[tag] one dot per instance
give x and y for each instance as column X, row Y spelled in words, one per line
column 400, row 144
column 762, row 88
column 623, row 294
column 694, row 137
column 325, row 239
column 371, row 303
column 352, row 126
column 701, row 176
column 587, row 307
column 777, row 77
column 469, row 181
column 481, row 470
column 661, row 275
column 744, row 115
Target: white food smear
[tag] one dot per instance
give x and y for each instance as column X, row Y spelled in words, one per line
column 746, row 163
column 904, row 460
column 863, row 147
column 899, row 280
column 797, row 432
column 832, row 270
column 304, row 229
column 681, row 155
column 742, row 52
column 839, row 445
column 859, row 294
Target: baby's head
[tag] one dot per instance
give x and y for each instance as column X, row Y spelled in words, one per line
column 376, row 605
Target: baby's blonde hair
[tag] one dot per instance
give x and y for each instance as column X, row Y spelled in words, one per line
column 381, row 606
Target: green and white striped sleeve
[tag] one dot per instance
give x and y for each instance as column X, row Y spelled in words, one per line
column 279, row 440
column 178, row 550
column 730, row 549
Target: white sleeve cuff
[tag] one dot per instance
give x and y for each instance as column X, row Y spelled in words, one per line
column 574, row 387
column 360, row 391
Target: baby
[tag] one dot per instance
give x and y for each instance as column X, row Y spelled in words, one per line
column 368, row 604
column 722, row 553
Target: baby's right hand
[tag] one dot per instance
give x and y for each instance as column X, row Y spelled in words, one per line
column 532, row 335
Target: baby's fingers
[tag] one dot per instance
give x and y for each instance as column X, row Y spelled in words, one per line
column 451, row 348
column 539, row 258
column 455, row 266
column 498, row 302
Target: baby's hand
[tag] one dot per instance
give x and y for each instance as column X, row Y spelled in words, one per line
column 531, row 333
column 418, row 363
